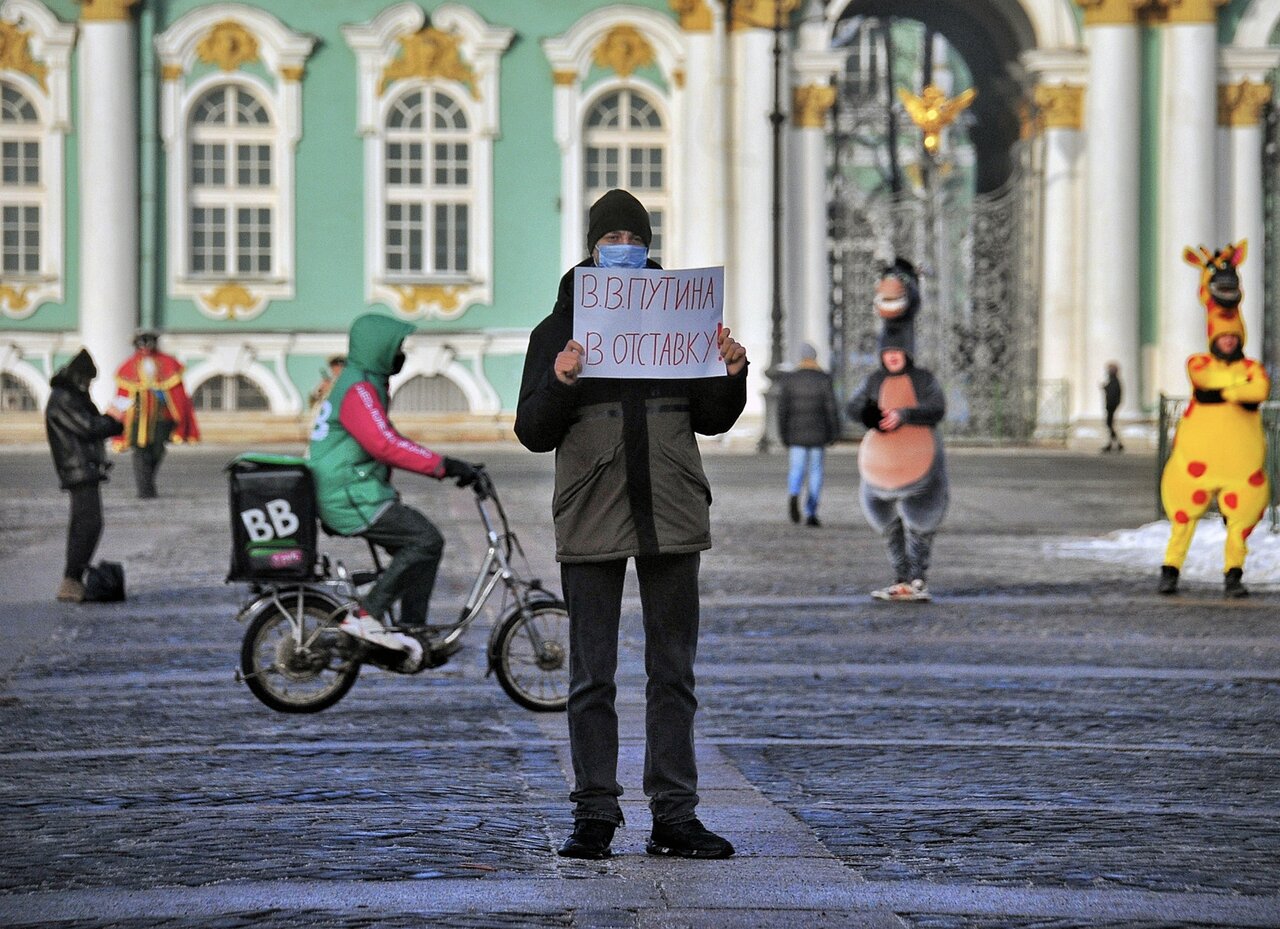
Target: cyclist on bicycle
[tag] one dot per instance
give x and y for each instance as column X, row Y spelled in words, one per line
column 353, row 449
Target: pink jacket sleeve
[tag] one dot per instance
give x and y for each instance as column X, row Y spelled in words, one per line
column 363, row 415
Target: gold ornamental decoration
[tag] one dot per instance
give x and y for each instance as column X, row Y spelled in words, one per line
column 564, row 78
column 1242, row 104
column 292, row 73
column 228, row 45
column 106, row 10
column 624, row 50
column 15, row 53
column 762, row 14
column 171, row 72
column 1111, row 12
column 1184, row 11
column 430, row 53
column 811, row 104
column 932, row 111
column 695, row 15
column 232, row 299
column 415, row 296
column 1061, row 106
column 15, row 298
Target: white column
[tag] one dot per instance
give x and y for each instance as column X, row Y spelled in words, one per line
column 1188, row 185
column 749, row 276
column 1062, row 109
column 808, row 271
column 107, row 137
column 703, row 208
column 1242, row 97
column 1112, row 126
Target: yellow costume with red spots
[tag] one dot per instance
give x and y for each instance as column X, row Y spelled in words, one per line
column 1219, row 448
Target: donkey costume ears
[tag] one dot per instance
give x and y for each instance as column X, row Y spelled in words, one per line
column 1233, row 255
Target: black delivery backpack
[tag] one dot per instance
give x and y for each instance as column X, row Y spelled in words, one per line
column 273, row 518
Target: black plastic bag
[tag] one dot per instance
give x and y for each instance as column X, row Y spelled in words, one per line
column 104, row 582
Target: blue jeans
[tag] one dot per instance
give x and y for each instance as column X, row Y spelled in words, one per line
column 808, row 459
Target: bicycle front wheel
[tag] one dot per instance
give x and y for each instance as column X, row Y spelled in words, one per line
column 532, row 656
column 292, row 676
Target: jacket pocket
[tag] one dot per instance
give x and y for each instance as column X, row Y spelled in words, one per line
column 569, row 492
column 681, row 495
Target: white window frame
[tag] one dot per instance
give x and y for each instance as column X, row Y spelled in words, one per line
column 571, row 54
column 628, row 138
column 50, row 43
column 283, row 54
column 376, row 45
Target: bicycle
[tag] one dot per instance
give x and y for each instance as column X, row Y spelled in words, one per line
column 295, row 659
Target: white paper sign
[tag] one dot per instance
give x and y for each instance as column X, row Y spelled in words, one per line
column 649, row 322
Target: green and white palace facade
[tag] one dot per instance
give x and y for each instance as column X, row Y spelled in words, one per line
column 248, row 177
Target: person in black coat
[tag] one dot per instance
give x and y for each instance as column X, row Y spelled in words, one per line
column 1111, row 392
column 808, row 422
column 629, row 485
column 77, row 433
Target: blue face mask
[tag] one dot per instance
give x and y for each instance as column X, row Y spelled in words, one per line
column 622, row 256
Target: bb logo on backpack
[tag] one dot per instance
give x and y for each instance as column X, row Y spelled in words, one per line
column 276, row 522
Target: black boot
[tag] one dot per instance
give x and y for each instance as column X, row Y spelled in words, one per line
column 687, row 839
column 793, row 508
column 1168, row 579
column 1231, row 586
column 590, row 840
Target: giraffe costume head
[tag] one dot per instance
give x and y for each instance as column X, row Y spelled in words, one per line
column 1220, row 292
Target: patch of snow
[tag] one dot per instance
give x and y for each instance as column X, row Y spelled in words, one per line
column 1145, row 546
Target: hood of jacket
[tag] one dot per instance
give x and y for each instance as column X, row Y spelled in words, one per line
column 76, row 373
column 374, row 341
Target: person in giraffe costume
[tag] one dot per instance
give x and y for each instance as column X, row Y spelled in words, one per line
column 1219, row 447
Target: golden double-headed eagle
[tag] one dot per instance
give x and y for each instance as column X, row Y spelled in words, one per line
column 933, row 112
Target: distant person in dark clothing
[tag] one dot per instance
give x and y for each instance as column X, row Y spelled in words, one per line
column 1111, row 393
column 77, row 434
column 808, row 422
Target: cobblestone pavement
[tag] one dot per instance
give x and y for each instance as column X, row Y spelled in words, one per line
column 1048, row 744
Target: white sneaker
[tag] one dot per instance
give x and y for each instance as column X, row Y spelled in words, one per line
column 919, row 591
column 899, row 591
column 368, row 629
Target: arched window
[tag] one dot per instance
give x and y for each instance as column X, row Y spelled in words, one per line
column 20, row 183
column 435, row 394
column 427, row 106
column 230, row 233
column 428, row 187
column 230, row 134
column 229, row 393
column 15, row 396
column 625, row 145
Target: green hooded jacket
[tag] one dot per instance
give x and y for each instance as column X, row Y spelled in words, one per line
column 352, row 488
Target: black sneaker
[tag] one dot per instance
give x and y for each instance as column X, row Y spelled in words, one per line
column 793, row 509
column 813, row 521
column 590, row 839
column 688, row 839
column 1168, row 580
column 1231, row 586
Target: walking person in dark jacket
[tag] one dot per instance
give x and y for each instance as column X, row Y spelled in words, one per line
column 808, row 422
column 629, row 484
column 77, row 434
column 1111, row 403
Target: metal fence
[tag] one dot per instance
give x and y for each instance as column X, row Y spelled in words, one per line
column 1171, row 409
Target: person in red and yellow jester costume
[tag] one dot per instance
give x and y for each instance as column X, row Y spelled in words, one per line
column 1219, row 448
column 156, row 409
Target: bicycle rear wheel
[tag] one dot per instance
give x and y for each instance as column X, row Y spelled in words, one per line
column 293, row 678
column 531, row 656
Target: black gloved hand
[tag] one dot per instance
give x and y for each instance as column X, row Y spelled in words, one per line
column 871, row 415
column 464, row 471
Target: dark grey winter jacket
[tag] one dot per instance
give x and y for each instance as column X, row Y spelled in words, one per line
column 807, row 409
column 629, row 478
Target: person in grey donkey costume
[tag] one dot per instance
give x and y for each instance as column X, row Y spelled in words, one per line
column 904, row 490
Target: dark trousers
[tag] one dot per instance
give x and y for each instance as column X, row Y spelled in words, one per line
column 147, row 458
column 416, row 547
column 84, row 528
column 1111, row 427
column 669, row 599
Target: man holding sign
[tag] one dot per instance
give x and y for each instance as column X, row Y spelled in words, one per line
column 617, row 380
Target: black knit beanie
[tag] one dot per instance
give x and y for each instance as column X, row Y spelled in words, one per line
column 617, row 210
